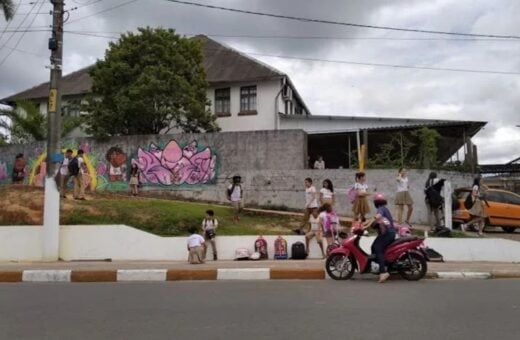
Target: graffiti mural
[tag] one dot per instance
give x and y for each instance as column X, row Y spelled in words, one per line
column 4, row 174
column 176, row 165
column 116, row 159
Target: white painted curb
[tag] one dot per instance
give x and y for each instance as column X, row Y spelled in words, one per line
column 141, row 275
column 243, row 274
column 46, row 275
column 463, row 275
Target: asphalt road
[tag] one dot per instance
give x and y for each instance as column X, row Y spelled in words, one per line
column 430, row 309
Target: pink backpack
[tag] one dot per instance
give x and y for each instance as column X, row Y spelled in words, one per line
column 331, row 221
column 352, row 194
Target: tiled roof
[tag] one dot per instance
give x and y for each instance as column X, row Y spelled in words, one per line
column 223, row 64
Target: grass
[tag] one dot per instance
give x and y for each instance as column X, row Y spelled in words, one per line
column 173, row 218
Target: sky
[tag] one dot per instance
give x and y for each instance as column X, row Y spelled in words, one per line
column 327, row 88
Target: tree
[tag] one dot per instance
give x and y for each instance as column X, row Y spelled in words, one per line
column 26, row 123
column 427, row 147
column 8, row 9
column 150, row 82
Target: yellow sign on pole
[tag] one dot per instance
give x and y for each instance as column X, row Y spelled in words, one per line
column 362, row 158
column 53, row 97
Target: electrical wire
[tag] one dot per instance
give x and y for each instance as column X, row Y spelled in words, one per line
column 9, row 23
column 102, row 11
column 330, row 22
column 22, row 35
column 19, row 26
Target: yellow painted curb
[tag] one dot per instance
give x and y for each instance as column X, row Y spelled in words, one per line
column 182, row 274
column 297, row 274
column 93, row 276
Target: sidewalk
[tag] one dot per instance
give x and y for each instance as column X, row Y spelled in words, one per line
column 99, row 271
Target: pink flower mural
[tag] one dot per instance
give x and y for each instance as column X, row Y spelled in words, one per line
column 174, row 165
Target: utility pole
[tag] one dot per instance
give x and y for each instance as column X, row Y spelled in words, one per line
column 51, row 212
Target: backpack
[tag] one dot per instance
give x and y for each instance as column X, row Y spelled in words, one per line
column 73, row 166
column 280, row 249
column 261, row 247
column 442, row 231
column 242, row 254
column 298, row 251
column 352, row 194
column 434, row 197
column 468, row 202
column 331, row 221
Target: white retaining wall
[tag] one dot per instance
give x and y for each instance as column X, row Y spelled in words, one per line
column 119, row 242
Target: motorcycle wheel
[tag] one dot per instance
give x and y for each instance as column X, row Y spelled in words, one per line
column 340, row 266
column 415, row 270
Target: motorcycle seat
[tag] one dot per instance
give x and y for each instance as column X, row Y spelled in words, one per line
column 404, row 239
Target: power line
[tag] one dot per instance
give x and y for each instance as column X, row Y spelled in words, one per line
column 19, row 26
column 384, row 65
column 9, row 23
column 23, row 33
column 330, row 22
column 102, row 11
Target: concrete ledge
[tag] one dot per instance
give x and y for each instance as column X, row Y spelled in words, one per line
column 46, row 275
column 141, row 275
column 190, row 275
column 93, row 276
column 243, row 274
column 297, row 274
column 500, row 274
column 15, row 276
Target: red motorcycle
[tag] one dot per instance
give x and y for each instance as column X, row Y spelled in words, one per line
column 405, row 256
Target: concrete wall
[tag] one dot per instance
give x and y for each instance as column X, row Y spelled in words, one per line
column 166, row 161
column 285, row 188
column 266, row 92
column 119, row 242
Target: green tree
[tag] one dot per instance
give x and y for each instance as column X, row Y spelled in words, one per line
column 26, row 123
column 150, row 82
column 8, row 9
column 427, row 147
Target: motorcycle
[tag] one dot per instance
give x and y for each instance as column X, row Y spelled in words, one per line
column 405, row 256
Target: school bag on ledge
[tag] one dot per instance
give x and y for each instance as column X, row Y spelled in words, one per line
column 298, row 251
column 242, row 254
column 280, row 249
column 261, row 247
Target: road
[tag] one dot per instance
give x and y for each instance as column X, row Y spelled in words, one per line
column 430, row 309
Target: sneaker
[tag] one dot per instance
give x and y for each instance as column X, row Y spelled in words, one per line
column 383, row 277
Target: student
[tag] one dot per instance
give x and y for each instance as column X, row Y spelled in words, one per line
column 134, row 179
column 403, row 197
column 360, row 207
column 315, row 230
column 79, row 189
column 195, row 247
column 477, row 211
column 327, row 193
column 433, row 198
column 19, row 169
column 328, row 222
column 64, row 173
column 209, row 228
column 311, row 201
column 319, row 164
column 234, row 194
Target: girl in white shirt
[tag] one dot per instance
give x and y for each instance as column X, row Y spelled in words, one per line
column 403, row 197
column 327, row 193
column 315, row 230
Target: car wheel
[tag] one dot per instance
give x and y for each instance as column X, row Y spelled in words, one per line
column 509, row 230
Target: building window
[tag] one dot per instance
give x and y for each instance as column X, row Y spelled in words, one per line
column 223, row 102
column 248, row 100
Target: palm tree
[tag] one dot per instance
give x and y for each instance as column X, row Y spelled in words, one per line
column 7, row 7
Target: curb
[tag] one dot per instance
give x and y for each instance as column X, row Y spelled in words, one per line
column 243, row 274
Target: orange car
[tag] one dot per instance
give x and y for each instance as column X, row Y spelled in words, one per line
column 503, row 210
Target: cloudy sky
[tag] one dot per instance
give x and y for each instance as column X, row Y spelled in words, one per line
column 328, row 88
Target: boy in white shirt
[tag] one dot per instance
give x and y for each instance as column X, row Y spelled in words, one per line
column 311, row 201
column 64, row 173
column 195, row 247
column 234, row 193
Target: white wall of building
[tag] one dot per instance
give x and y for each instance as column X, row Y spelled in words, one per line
column 266, row 92
column 119, row 242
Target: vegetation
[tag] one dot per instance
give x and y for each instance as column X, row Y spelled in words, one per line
column 150, row 82
column 7, row 7
column 25, row 124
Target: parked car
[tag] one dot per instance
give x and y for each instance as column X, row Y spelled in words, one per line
column 503, row 210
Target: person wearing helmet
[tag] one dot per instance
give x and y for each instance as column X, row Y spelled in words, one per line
column 384, row 224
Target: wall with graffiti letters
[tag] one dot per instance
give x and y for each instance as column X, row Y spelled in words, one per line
column 180, row 161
